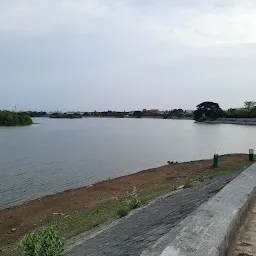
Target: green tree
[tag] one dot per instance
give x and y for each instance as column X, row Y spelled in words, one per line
column 252, row 112
column 137, row 114
column 208, row 110
column 8, row 118
column 249, row 105
column 178, row 112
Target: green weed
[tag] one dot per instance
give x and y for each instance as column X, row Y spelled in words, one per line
column 46, row 241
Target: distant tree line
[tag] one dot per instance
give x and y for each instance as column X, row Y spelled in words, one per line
column 118, row 114
column 35, row 113
column 178, row 113
column 70, row 116
column 209, row 110
column 174, row 113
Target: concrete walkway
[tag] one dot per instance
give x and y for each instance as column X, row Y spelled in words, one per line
column 245, row 243
column 135, row 233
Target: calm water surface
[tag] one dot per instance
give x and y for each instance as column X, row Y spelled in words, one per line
column 59, row 154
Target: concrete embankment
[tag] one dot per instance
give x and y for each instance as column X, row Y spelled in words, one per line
column 211, row 229
column 135, row 233
column 242, row 121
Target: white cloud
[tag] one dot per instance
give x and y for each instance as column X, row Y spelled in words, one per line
column 217, row 21
column 119, row 45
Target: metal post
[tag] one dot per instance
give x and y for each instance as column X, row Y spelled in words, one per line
column 215, row 160
column 251, row 154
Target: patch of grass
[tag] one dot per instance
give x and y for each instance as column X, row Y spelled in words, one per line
column 188, row 184
column 216, row 173
column 155, row 191
column 123, row 212
column 78, row 222
column 134, row 201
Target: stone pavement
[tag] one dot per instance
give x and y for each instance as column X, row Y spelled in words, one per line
column 136, row 232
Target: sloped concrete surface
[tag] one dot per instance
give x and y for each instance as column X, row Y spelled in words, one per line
column 245, row 244
column 135, row 233
column 211, row 229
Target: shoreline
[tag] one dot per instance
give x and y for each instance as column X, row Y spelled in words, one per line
column 25, row 217
column 239, row 121
column 125, row 117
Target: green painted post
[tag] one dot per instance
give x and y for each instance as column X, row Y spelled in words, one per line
column 215, row 160
column 251, row 154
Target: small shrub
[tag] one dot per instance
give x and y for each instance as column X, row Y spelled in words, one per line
column 45, row 242
column 122, row 212
column 211, row 176
column 134, row 202
column 201, row 178
column 188, row 184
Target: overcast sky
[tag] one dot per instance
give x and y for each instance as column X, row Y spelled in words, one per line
column 126, row 54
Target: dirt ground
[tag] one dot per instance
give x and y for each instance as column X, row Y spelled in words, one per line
column 22, row 219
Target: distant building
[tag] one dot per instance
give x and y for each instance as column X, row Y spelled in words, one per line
column 155, row 111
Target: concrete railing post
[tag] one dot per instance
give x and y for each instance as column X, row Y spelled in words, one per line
column 251, row 154
column 215, row 160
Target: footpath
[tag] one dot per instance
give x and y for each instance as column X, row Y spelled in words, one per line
column 245, row 244
column 138, row 231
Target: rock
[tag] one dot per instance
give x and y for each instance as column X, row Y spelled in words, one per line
column 14, row 229
column 180, row 187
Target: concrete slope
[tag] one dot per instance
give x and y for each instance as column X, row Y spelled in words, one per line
column 140, row 230
column 212, row 228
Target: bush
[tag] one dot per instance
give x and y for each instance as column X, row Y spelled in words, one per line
column 134, row 202
column 122, row 212
column 188, row 184
column 202, row 178
column 45, row 242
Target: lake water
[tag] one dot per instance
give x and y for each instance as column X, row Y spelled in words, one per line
column 60, row 154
